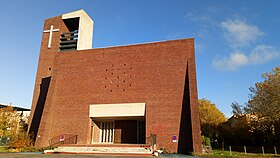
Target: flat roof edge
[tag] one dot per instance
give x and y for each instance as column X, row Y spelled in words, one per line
column 143, row 43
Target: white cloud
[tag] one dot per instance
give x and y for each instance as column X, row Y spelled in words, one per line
column 259, row 55
column 189, row 16
column 233, row 62
column 263, row 54
column 203, row 20
column 238, row 33
column 240, row 36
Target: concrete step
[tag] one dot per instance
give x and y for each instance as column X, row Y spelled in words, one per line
column 101, row 150
column 107, row 145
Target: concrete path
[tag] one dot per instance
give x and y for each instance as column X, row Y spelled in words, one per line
column 40, row 155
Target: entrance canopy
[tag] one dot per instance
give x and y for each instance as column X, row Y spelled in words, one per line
column 117, row 110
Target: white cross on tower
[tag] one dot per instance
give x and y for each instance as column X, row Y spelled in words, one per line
column 50, row 36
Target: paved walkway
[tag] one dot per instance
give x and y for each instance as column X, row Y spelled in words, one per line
column 40, row 155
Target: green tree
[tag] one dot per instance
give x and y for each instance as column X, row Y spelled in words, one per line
column 264, row 103
column 265, row 96
column 210, row 118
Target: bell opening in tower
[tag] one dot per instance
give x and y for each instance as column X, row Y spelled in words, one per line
column 69, row 40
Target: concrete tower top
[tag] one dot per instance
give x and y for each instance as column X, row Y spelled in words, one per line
column 79, row 20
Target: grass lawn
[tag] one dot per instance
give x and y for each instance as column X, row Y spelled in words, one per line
column 219, row 153
column 3, row 149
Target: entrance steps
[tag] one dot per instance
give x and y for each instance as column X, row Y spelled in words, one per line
column 104, row 149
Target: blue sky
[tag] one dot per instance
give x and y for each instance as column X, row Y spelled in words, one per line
column 235, row 41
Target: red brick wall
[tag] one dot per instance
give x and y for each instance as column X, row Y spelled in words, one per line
column 153, row 73
column 44, row 70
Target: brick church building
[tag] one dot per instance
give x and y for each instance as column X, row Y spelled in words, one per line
column 115, row 95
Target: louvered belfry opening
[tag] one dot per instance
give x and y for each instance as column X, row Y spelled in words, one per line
column 69, row 40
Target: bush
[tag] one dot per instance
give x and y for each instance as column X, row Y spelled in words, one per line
column 206, row 141
column 22, row 142
column 19, row 141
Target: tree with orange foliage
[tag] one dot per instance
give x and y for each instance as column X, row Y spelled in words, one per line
column 265, row 96
column 264, row 103
column 12, row 130
column 210, row 118
column 8, row 122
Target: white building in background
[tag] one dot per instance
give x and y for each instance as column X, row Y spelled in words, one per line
column 22, row 117
column 24, row 113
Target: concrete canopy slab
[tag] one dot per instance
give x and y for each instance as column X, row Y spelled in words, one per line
column 117, row 110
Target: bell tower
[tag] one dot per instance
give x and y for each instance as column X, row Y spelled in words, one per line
column 61, row 34
column 80, row 27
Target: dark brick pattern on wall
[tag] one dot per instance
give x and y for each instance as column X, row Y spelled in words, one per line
column 151, row 73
